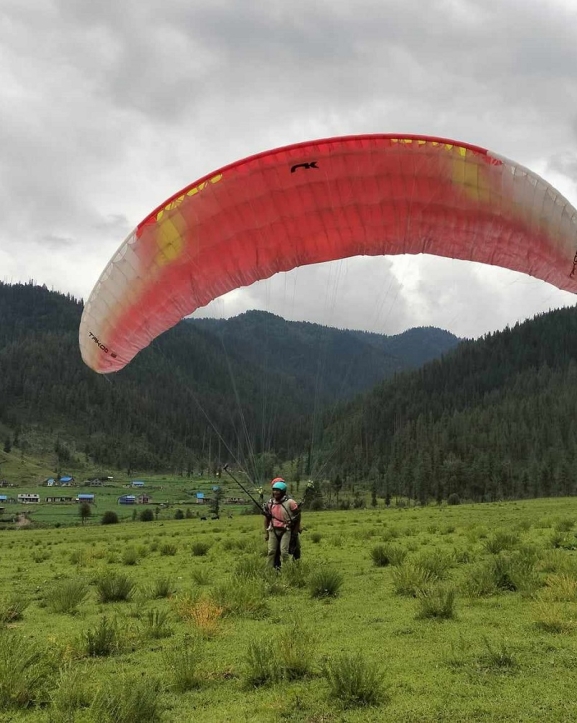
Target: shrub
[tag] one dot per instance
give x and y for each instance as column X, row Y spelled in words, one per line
column 453, row 499
column 384, row 555
column 101, row 640
column 109, row 518
column 354, row 681
column 325, row 582
column 316, row 537
column 24, row 671
column 183, row 662
column 66, row 595
column 114, row 587
column 129, row 698
column 179, row 515
column 146, row 515
column 436, row 602
column 200, row 549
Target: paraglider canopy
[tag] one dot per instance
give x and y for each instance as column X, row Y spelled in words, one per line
column 320, row 201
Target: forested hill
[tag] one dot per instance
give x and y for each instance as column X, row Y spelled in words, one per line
column 495, row 417
column 329, row 364
column 195, row 391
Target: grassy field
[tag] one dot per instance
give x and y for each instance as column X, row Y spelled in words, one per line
column 165, row 493
column 464, row 613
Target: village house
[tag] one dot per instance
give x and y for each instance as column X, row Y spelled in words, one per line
column 27, row 498
column 127, row 500
column 91, row 499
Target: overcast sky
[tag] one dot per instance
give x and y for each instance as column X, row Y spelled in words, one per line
column 107, row 108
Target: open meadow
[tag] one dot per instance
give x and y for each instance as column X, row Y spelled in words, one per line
column 462, row 613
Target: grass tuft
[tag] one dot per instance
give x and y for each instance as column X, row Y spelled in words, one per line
column 241, row 597
column 162, row 588
column 325, row 582
column 499, row 658
column 354, row 681
column 72, row 694
column 102, row 640
column 200, row 549
column 435, row 562
column 66, row 595
column 383, row 555
column 410, row 579
column 561, row 588
column 261, row 666
column 501, row 540
column 24, row 671
column 129, row 698
column 114, row 587
column 130, row 556
column 12, row 609
column 436, row 602
column 203, row 612
column 183, row 662
column 156, row 624
column 168, row 549
column 200, row 576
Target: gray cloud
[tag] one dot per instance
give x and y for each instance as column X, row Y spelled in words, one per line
column 108, row 108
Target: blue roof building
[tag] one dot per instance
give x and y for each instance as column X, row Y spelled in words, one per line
column 127, row 500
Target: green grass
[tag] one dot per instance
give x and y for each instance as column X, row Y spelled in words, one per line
column 469, row 623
